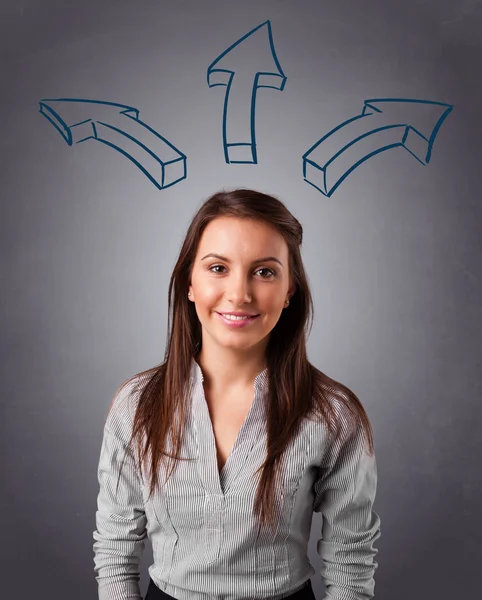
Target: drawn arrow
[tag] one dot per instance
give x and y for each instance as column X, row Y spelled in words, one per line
column 383, row 123
column 118, row 126
column 235, row 69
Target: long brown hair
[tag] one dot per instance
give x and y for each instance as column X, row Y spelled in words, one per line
column 296, row 388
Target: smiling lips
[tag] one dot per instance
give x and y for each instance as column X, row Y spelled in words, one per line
column 237, row 314
column 237, row 321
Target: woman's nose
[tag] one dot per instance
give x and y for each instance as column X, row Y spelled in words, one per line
column 239, row 290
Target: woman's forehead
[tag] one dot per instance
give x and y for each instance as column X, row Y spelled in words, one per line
column 232, row 228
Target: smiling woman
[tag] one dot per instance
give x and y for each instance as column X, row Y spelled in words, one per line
column 267, row 438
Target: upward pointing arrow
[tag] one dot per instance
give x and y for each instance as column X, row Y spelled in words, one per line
column 383, row 123
column 242, row 74
column 117, row 126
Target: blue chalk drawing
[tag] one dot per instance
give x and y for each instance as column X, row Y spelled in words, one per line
column 119, row 127
column 231, row 70
column 383, row 123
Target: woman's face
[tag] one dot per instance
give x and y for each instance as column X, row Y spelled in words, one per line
column 240, row 281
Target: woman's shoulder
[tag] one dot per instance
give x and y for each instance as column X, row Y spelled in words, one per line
column 335, row 402
column 120, row 405
column 122, row 409
column 334, row 393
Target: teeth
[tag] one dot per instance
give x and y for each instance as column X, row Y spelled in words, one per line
column 233, row 318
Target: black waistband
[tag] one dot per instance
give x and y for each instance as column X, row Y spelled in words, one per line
column 305, row 593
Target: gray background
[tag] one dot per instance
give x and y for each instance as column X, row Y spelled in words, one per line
column 393, row 257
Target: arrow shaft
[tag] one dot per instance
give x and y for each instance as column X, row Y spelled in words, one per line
column 338, row 139
column 239, row 135
column 149, row 151
column 364, row 148
column 138, row 133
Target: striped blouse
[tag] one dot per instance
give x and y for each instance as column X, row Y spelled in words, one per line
column 206, row 544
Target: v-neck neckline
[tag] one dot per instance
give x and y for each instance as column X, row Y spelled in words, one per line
column 216, row 481
column 239, row 436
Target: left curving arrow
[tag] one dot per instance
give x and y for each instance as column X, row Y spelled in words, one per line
column 119, row 127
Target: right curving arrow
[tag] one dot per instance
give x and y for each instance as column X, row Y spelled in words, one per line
column 383, row 123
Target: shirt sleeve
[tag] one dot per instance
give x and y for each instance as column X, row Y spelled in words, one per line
column 344, row 494
column 120, row 518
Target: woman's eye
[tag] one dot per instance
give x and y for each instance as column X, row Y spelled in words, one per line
column 270, row 271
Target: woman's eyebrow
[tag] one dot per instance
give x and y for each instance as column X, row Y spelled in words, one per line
column 258, row 260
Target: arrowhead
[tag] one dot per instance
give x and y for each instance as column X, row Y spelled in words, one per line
column 424, row 116
column 67, row 113
column 75, row 110
column 253, row 52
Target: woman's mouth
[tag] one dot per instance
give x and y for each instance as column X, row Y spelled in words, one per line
column 237, row 322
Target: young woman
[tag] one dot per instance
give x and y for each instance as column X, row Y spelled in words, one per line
column 257, row 437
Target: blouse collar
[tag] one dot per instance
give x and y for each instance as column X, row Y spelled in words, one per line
column 260, row 381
